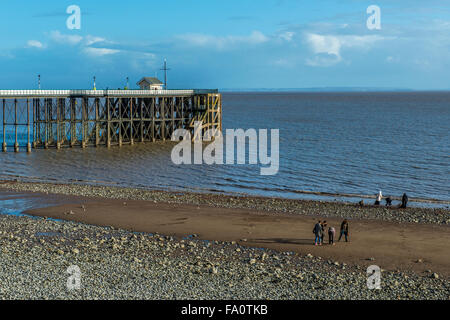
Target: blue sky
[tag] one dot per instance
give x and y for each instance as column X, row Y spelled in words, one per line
column 226, row 44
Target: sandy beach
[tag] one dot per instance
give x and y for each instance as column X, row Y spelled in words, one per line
column 215, row 225
column 393, row 246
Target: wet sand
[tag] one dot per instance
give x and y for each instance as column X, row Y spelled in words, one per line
column 390, row 245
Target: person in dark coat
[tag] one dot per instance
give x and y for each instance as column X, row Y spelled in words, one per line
column 344, row 230
column 404, row 201
column 317, row 232
column 388, row 201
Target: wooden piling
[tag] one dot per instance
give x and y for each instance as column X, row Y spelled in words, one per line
column 108, row 124
column 131, row 122
column 36, row 123
column 163, row 119
column 97, row 122
column 16, row 142
column 120, row 122
column 4, row 147
column 58, row 124
column 28, row 127
column 142, row 120
column 153, row 115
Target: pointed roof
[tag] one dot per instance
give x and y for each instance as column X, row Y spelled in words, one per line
column 149, row 80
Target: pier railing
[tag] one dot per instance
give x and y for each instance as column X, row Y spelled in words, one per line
column 101, row 93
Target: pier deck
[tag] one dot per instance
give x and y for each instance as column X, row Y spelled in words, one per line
column 68, row 118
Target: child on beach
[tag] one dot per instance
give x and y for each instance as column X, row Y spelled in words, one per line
column 317, row 232
column 331, row 234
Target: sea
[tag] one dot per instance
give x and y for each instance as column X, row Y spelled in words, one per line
column 343, row 146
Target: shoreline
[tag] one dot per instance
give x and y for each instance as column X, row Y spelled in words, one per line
column 310, row 207
column 316, row 195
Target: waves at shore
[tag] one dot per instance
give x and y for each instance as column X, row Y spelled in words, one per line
column 283, row 193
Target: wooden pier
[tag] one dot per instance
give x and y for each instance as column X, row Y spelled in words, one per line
column 69, row 118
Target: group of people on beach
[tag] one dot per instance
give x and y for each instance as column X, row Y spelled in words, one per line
column 388, row 200
column 320, row 229
column 379, row 198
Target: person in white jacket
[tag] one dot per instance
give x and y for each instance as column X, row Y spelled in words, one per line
column 378, row 199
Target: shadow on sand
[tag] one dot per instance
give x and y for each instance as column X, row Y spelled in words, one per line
column 303, row 242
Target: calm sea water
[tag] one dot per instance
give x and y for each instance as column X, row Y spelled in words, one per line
column 355, row 143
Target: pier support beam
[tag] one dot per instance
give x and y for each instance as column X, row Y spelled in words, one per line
column 131, row 122
column 16, row 143
column 28, row 127
column 97, row 123
column 108, row 123
column 4, row 148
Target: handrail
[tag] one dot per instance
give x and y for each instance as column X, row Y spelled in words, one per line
column 93, row 93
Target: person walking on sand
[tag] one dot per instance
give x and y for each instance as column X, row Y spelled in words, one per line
column 331, row 234
column 404, row 201
column 378, row 199
column 317, row 232
column 344, row 230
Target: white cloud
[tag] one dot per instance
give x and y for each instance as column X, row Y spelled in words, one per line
column 287, row 35
column 224, row 42
column 98, row 52
column 84, row 43
column 327, row 48
column 35, row 44
column 65, row 38
column 324, row 44
column 90, row 40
